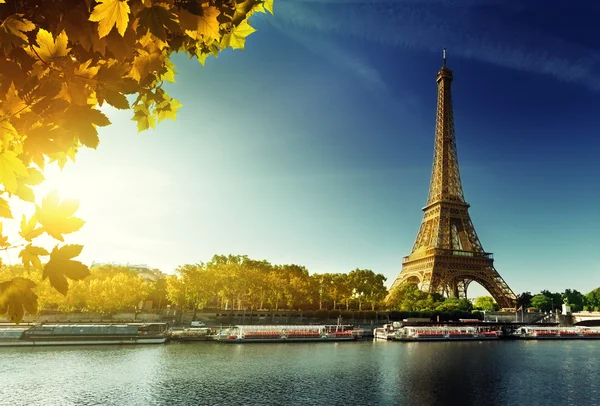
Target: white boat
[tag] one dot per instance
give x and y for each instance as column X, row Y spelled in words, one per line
column 285, row 333
column 83, row 334
column 556, row 333
column 445, row 333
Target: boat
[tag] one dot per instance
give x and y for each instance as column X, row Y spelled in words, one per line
column 387, row 332
column 191, row 334
column 284, row 333
column 556, row 333
column 445, row 333
column 83, row 334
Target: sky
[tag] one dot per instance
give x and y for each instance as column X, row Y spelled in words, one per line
column 314, row 145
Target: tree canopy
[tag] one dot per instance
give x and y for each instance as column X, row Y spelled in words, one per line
column 61, row 61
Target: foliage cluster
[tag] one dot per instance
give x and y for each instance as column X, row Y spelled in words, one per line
column 409, row 298
column 60, row 61
column 238, row 282
column 108, row 289
column 547, row 301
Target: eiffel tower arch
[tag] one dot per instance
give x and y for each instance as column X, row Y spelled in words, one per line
column 447, row 255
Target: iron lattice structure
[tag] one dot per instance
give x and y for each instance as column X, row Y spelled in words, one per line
column 447, row 255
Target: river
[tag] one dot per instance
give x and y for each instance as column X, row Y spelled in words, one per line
column 363, row 373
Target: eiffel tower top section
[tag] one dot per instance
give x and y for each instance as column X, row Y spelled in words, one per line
column 445, row 185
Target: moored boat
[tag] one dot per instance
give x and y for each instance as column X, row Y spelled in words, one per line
column 284, row 333
column 556, row 333
column 83, row 334
column 443, row 333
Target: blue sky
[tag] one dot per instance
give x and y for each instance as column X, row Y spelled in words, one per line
column 314, row 145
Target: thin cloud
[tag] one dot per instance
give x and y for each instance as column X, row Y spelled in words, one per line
column 363, row 71
column 469, row 28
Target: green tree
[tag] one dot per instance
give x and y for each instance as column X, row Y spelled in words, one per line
column 593, row 299
column 63, row 59
column 367, row 286
column 575, row 299
column 541, row 302
column 486, row 303
column 524, row 300
column 407, row 297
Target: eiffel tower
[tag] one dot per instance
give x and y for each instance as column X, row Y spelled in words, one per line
column 447, row 255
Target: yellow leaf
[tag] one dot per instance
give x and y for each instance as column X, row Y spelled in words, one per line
column 16, row 297
column 30, row 256
column 269, row 6
column 205, row 25
column 12, row 104
column 57, row 218
column 169, row 111
column 109, row 13
column 10, row 167
column 83, row 121
column 24, row 192
column 28, row 230
column 7, row 133
column 3, row 240
column 237, row 38
column 12, row 30
column 48, row 48
column 144, row 64
column 143, row 117
column 5, row 209
column 156, row 19
column 61, row 266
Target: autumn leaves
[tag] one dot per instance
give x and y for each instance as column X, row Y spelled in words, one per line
column 60, row 60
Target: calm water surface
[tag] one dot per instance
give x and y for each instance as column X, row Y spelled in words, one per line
column 369, row 373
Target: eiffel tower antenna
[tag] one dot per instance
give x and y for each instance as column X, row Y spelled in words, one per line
column 447, row 255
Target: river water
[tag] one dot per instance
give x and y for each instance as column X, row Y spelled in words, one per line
column 362, row 373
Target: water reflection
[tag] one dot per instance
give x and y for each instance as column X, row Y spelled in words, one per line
column 489, row 373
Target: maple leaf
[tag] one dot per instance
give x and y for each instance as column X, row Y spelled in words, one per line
column 143, row 117
column 83, row 122
column 61, row 266
column 110, row 13
column 12, row 30
column 48, row 49
column 7, row 133
column 57, row 218
column 23, row 190
column 5, row 209
column 205, row 25
column 30, row 256
column 28, row 230
column 156, row 19
column 12, row 105
column 10, row 167
column 145, row 63
column 237, row 38
column 16, row 297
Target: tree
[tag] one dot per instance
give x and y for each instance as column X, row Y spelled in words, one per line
column 574, row 299
column 60, row 61
column 593, row 299
column 191, row 287
column 367, row 286
column 541, row 302
column 524, row 300
column 486, row 303
column 555, row 299
column 407, row 297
